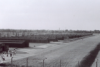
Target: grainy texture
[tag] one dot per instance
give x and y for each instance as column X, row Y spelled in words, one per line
column 69, row 53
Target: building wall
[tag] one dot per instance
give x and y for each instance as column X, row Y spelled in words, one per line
column 15, row 43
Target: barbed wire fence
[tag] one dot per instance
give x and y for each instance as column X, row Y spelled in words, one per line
column 42, row 63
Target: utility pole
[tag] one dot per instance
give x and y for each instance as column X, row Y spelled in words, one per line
column 59, row 29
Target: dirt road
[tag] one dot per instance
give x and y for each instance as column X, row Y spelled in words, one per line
column 69, row 53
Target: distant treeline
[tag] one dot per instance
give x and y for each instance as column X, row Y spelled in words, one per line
column 85, row 31
column 78, row 31
column 20, row 33
column 39, row 36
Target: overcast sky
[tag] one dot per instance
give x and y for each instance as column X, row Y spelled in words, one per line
column 50, row 14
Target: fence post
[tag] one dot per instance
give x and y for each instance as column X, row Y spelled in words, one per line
column 97, row 63
column 60, row 63
column 11, row 61
column 43, row 61
column 27, row 62
column 78, row 64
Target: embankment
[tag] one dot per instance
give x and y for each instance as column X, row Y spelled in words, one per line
column 90, row 58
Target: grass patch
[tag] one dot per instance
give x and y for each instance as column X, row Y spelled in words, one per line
column 90, row 58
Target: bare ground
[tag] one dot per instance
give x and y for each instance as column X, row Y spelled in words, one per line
column 69, row 53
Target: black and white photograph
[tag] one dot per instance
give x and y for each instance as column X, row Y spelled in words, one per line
column 49, row 33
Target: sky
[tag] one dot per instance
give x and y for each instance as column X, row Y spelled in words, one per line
column 50, row 14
